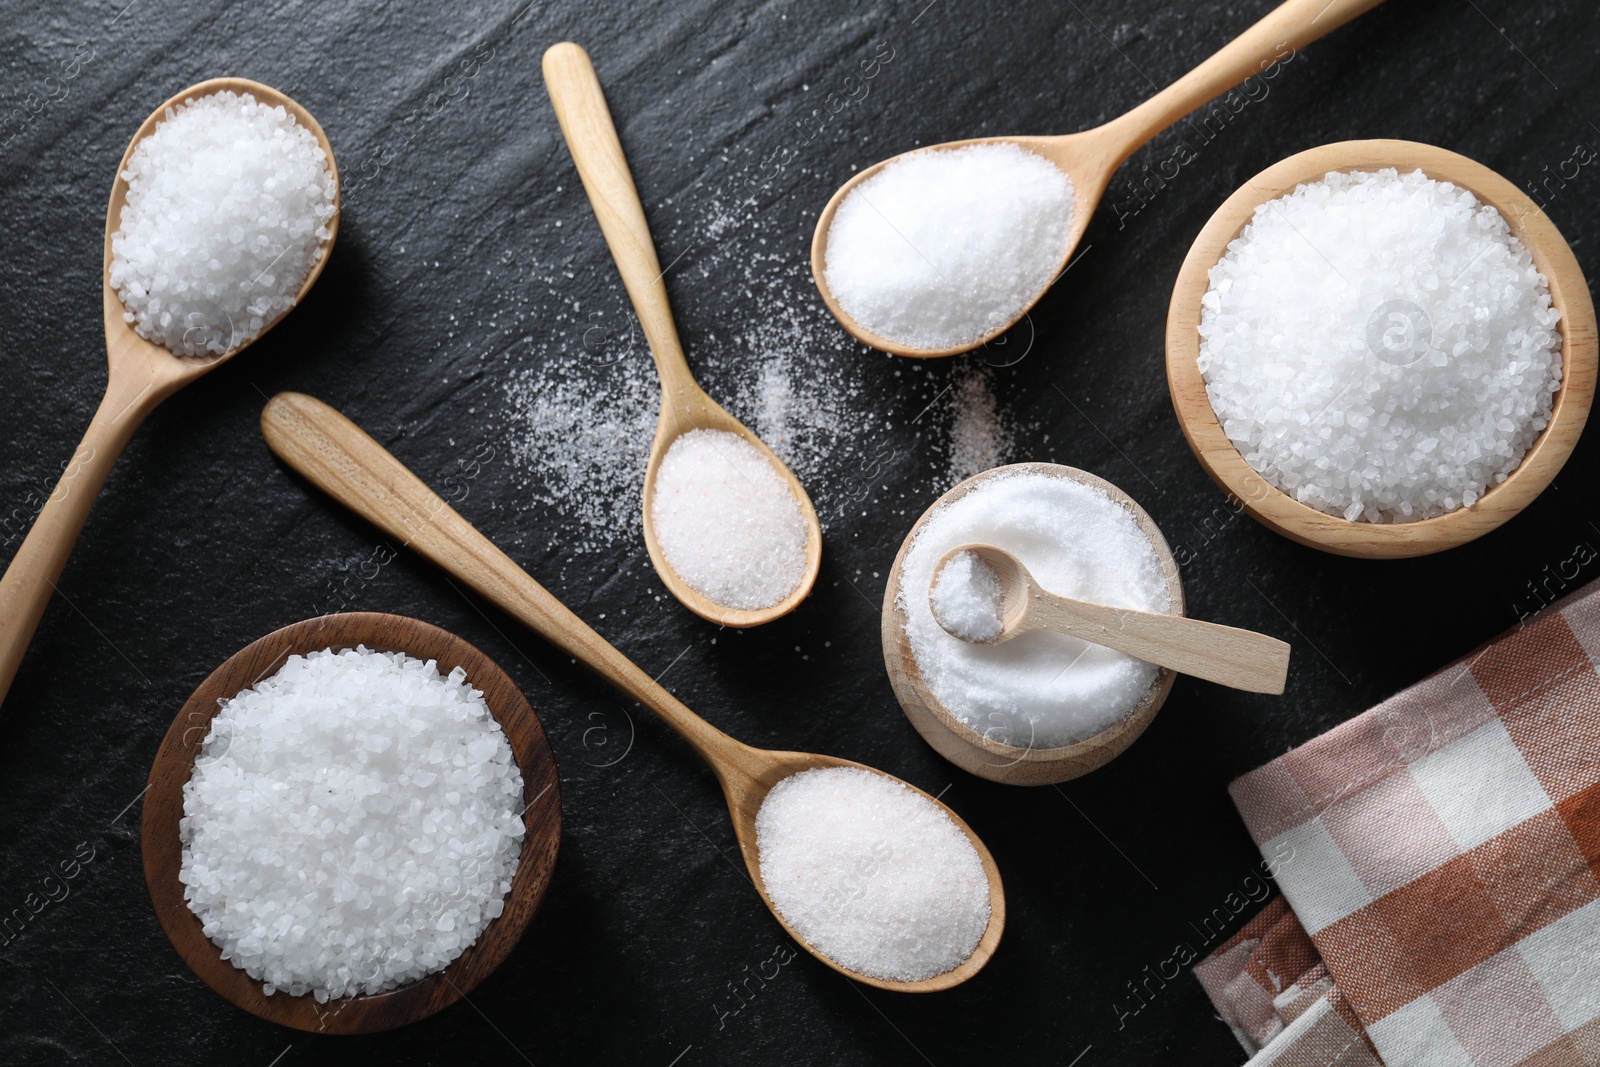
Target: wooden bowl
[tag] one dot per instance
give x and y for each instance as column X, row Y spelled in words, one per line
column 1334, row 533
column 163, row 807
column 987, row 755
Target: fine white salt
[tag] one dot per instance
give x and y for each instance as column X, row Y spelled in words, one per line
column 980, row 434
column 871, row 873
column 352, row 824
column 727, row 522
column 1040, row 689
column 1380, row 346
column 943, row 246
column 968, row 597
column 227, row 211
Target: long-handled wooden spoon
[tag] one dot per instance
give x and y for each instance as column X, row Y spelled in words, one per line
column 580, row 106
column 142, row 374
column 337, row 457
column 1090, row 158
column 1240, row 659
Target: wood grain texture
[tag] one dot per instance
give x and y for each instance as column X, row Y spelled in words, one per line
column 591, row 137
column 980, row 753
column 141, row 375
column 1092, row 156
column 1275, row 509
column 174, row 763
column 1226, row 655
column 338, row 457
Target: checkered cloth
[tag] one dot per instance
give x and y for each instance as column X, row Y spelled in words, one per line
column 1272, row 988
column 1441, row 854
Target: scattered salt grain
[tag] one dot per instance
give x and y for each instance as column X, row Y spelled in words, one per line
column 980, row 435
column 227, row 211
column 943, row 246
column 727, row 522
column 871, row 873
column 1380, row 346
column 967, row 598
column 581, row 438
column 352, row 824
column 1040, row 689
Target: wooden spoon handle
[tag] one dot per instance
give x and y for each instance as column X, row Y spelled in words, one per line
column 1288, row 26
column 31, row 576
column 337, row 457
column 1240, row 659
column 580, row 106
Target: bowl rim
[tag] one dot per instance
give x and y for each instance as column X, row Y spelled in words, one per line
column 1333, row 533
column 924, row 709
column 174, row 763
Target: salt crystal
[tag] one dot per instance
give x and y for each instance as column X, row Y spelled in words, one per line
column 227, row 211
column 871, row 873
column 967, row 597
column 1380, row 346
column 322, row 864
column 943, row 246
column 727, row 521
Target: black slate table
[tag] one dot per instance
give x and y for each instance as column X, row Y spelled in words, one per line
column 468, row 260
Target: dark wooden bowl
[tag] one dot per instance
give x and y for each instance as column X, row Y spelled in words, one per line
column 163, row 807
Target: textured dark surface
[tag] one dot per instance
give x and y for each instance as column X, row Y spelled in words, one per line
column 467, row 256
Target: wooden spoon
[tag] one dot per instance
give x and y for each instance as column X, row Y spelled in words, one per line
column 580, row 106
column 142, row 374
column 337, row 457
column 1240, row 659
column 1090, row 158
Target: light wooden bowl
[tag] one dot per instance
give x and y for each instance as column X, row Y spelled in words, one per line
column 980, row 753
column 1334, row 533
column 174, row 763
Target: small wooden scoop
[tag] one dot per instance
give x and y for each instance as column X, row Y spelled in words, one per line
column 1226, row 655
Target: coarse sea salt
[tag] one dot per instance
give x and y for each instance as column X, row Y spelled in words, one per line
column 727, row 522
column 967, row 597
column 352, row 824
column 871, row 873
column 1380, row 346
column 1040, row 689
column 943, row 246
column 227, row 211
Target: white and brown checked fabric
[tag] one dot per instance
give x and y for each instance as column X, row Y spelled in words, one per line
column 1271, row 987
column 1445, row 848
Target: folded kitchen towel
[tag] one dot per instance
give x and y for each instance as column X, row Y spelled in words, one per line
column 1441, row 852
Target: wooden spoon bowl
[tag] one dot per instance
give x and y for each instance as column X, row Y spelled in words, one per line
column 703, row 413
column 174, row 763
column 119, row 332
column 758, row 770
column 1333, row 533
column 992, row 754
